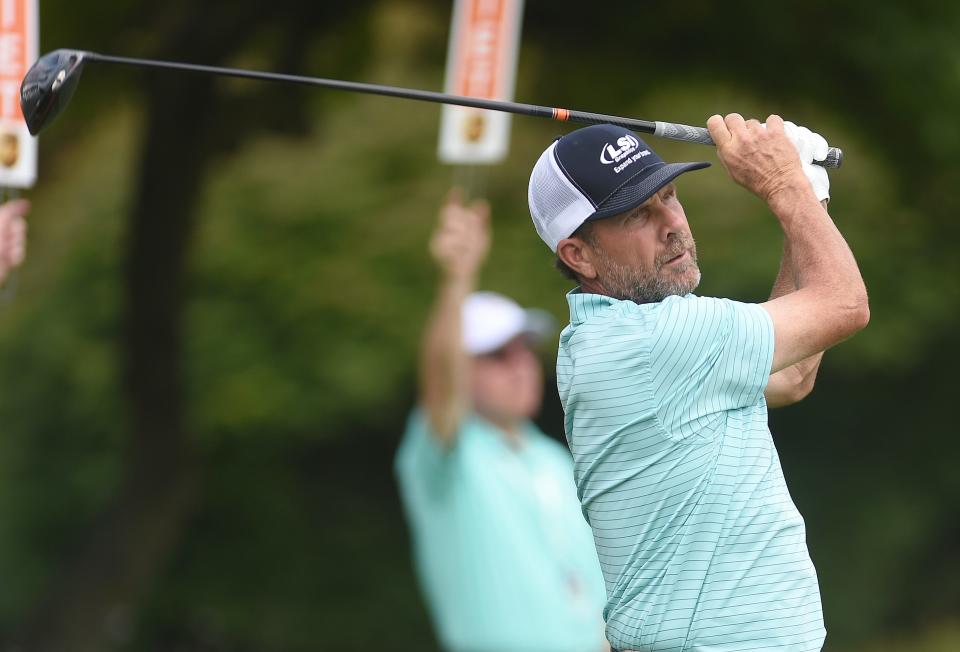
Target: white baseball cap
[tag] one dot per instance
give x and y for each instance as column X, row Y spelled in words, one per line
column 490, row 320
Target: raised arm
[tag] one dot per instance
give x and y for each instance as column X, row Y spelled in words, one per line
column 459, row 246
column 793, row 384
column 830, row 302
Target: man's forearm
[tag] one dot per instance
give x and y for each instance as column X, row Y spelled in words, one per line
column 819, row 255
column 830, row 303
column 794, row 383
column 459, row 245
column 785, row 282
column 443, row 363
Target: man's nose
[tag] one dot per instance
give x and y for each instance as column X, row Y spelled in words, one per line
column 671, row 219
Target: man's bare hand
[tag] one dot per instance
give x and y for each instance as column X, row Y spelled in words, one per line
column 462, row 238
column 13, row 235
column 761, row 159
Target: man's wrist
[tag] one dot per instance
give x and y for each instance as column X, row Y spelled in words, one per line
column 460, row 283
column 789, row 196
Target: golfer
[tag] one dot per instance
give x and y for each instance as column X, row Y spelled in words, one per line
column 13, row 235
column 666, row 393
column 505, row 559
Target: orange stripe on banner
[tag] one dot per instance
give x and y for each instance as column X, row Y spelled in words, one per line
column 561, row 114
column 14, row 41
column 483, row 32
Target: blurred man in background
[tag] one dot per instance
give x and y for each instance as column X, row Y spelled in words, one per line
column 505, row 559
column 13, row 235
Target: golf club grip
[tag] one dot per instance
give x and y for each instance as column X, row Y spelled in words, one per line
column 700, row 135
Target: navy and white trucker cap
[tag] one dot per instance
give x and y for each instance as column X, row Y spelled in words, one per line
column 591, row 173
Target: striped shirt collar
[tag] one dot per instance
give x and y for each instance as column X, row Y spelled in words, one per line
column 583, row 305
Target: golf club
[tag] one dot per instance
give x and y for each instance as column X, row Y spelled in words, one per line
column 50, row 82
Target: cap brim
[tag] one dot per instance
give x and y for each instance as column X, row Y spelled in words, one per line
column 539, row 324
column 633, row 193
column 536, row 327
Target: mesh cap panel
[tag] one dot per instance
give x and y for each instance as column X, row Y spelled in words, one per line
column 557, row 207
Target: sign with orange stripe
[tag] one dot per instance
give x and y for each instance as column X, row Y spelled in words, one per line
column 19, row 36
column 481, row 62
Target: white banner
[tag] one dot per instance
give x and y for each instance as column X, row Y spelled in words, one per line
column 19, row 37
column 481, row 62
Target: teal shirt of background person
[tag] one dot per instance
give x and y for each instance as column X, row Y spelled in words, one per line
column 505, row 559
column 700, row 543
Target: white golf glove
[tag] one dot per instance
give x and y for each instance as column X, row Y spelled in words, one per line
column 811, row 147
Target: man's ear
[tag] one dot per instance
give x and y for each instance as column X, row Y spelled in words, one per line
column 577, row 255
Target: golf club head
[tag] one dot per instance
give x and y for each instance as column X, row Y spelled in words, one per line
column 48, row 86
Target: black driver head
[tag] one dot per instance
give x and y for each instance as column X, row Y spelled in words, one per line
column 48, row 85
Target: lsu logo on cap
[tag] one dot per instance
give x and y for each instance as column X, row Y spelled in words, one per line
column 626, row 145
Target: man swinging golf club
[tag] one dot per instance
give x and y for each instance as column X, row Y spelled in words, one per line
column 664, row 392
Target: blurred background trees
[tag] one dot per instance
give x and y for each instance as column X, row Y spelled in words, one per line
column 208, row 362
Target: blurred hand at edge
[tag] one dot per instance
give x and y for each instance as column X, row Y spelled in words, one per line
column 461, row 241
column 13, row 235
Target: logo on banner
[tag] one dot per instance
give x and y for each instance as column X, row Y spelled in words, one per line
column 474, row 126
column 9, row 149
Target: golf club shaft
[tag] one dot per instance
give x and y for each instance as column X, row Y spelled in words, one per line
column 668, row 130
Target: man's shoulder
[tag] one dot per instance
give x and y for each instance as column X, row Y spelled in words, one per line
column 672, row 310
column 625, row 328
column 533, row 433
column 420, row 450
column 547, row 446
column 471, row 426
column 626, row 314
column 693, row 316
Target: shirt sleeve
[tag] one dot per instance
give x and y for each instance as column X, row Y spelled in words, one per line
column 708, row 356
column 423, row 464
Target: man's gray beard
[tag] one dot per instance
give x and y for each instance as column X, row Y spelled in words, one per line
column 646, row 286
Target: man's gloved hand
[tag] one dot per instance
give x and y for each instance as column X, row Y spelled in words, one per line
column 811, row 146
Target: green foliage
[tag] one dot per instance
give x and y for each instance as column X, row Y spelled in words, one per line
column 62, row 404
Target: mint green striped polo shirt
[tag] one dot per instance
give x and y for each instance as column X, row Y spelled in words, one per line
column 504, row 557
column 701, row 546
